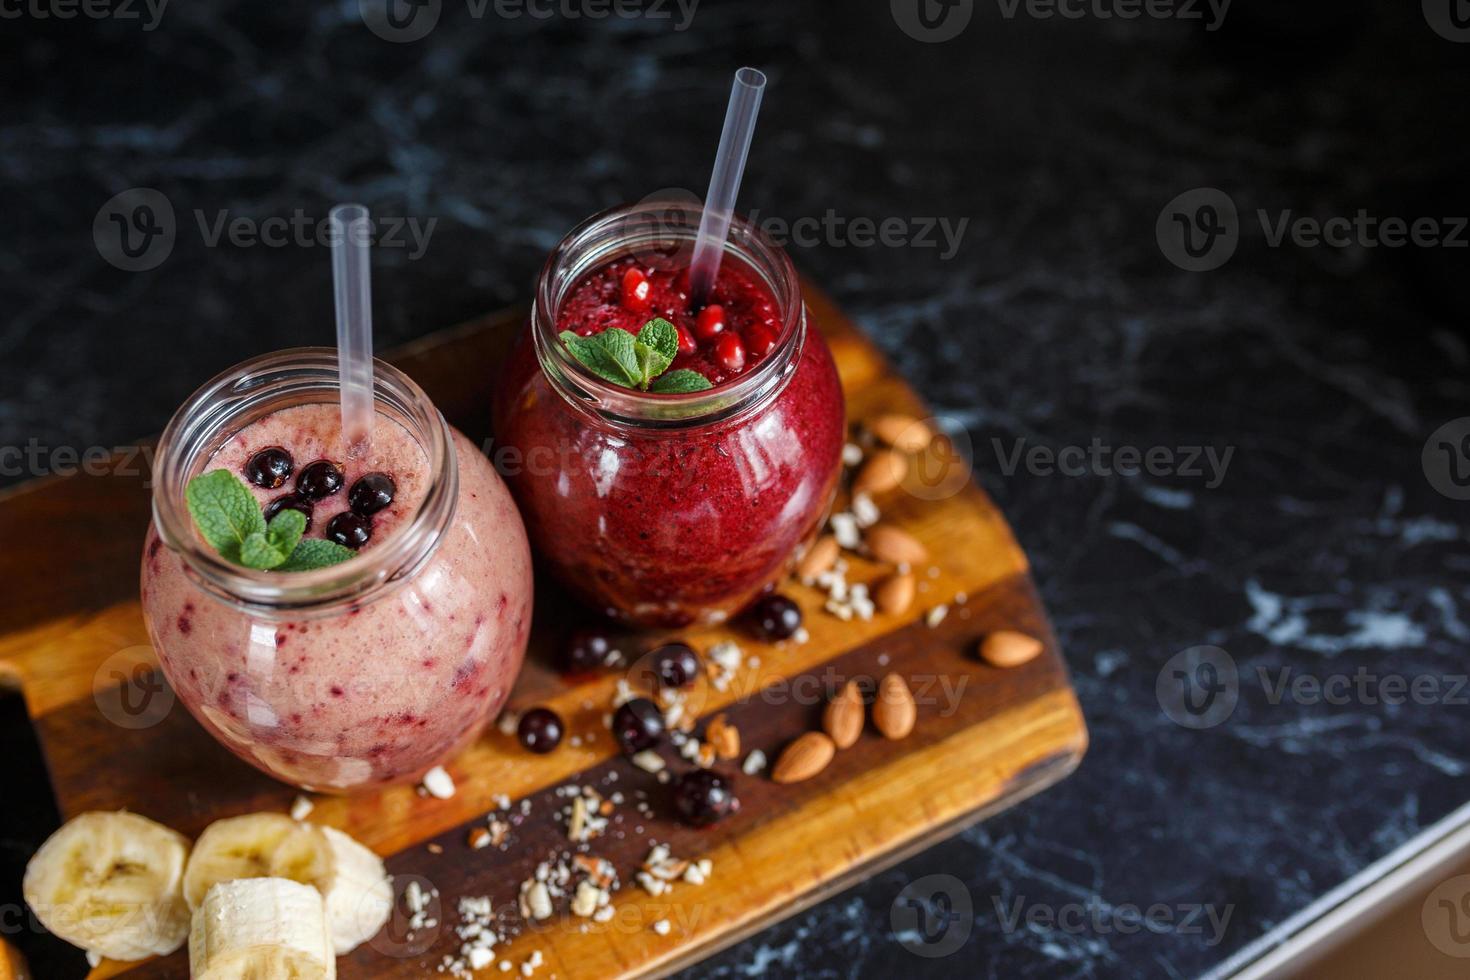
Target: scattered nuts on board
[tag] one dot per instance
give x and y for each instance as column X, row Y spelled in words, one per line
column 895, row 593
column 897, row 547
column 894, row 711
column 723, row 737
column 819, row 558
column 843, row 717
column 1007, row 648
column 804, row 758
column 903, row 432
column 883, row 471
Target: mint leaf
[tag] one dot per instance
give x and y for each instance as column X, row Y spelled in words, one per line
column 656, row 347
column 622, row 348
column 286, row 529
column 315, row 553
column 662, row 336
column 592, row 353
column 272, row 547
column 680, row 382
column 224, row 511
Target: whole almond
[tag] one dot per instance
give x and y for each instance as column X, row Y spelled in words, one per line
column 883, row 471
column 1007, row 648
column 820, row 557
column 894, row 711
column 903, row 432
column 804, row 758
column 895, row 593
column 843, row 717
column 723, row 737
column 897, row 547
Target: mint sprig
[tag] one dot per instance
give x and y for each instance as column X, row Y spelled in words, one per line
column 636, row 362
column 230, row 520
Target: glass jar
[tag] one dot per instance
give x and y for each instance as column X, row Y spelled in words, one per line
column 669, row 509
column 363, row 673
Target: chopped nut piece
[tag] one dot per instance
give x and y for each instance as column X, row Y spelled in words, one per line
column 301, row 807
column 479, row 838
column 438, row 783
column 723, row 737
column 754, row 762
column 584, row 903
column 649, row 761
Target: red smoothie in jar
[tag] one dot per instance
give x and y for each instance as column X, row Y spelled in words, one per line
column 367, row 672
column 671, row 509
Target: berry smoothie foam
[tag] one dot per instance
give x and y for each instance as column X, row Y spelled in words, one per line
column 370, row 691
column 662, row 520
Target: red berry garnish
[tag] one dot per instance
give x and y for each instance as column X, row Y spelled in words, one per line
column 636, row 288
column 710, row 323
column 539, row 730
column 371, row 494
column 776, row 617
column 350, row 530
column 759, row 340
column 290, row 501
column 638, row 725
column 704, row 797
column 587, row 650
column 675, row 665
column 269, row 468
column 319, row 480
column 686, row 340
column 730, row 352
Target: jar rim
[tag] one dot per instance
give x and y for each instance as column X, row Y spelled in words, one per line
column 626, row 229
column 257, row 387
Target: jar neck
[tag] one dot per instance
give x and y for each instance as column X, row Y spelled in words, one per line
column 254, row 389
column 661, row 234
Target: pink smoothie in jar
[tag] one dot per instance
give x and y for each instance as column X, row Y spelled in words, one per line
column 367, row 672
column 671, row 509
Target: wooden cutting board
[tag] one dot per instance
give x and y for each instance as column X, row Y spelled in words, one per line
column 72, row 636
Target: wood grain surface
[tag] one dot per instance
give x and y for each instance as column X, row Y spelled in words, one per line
column 72, row 637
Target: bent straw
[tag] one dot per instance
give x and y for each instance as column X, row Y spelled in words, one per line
column 352, row 285
column 724, row 182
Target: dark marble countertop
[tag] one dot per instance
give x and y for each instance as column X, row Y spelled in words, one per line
column 1300, row 514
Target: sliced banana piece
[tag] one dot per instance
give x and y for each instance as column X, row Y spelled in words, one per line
column 360, row 896
column 258, row 845
column 111, row 883
column 261, row 929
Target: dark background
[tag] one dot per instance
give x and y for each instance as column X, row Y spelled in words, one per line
column 1059, row 321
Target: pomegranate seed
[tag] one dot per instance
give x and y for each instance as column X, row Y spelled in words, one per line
column 730, row 351
column 760, row 340
column 710, row 323
column 636, row 288
column 686, row 340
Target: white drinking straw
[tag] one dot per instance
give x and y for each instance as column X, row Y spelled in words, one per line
column 352, row 284
column 724, row 182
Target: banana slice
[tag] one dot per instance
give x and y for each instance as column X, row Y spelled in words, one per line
column 261, row 929
column 111, row 883
column 258, row 845
column 360, row 896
